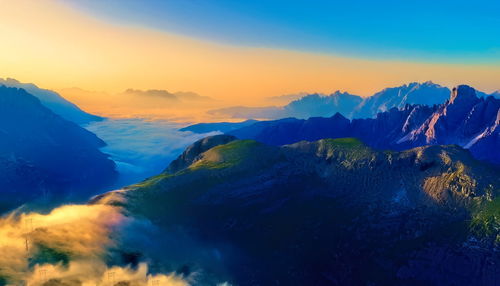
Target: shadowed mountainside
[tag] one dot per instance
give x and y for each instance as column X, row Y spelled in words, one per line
column 44, row 155
column 54, row 102
column 330, row 212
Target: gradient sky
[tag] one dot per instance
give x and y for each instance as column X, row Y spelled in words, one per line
column 241, row 52
column 453, row 31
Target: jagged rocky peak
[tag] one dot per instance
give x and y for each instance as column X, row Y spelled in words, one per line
column 462, row 93
column 341, row 93
column 421, row 84
column 339, row 116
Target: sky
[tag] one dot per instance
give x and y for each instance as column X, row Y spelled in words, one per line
column 244, row 52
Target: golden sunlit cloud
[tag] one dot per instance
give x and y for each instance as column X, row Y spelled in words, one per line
column 56, row 47
column 83, row 233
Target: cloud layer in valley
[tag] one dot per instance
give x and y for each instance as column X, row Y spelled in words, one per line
column 142, row 148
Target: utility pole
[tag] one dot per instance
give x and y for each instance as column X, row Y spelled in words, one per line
column 111, row 277
column 43, row 275
column 29, row 228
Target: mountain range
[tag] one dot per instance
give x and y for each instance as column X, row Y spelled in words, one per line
column 164, row 94
column 54, row 102
column 351, row 106
column 329, row 212
column 404, row 198
column 427, row 93
column 464, row 119
column 44, row 155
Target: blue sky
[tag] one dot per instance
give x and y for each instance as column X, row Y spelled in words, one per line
column 443, row 31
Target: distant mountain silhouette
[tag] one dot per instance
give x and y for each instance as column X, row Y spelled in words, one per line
column 314, row 105
column 304, row 107
column 44, row 154
column 54, row 102
column 350, row 106
column 164, row 94
column 427, row 93
column 464, row 120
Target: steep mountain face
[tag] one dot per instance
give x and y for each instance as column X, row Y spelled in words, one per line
column 331, row 212
column 61, row 155
column 54, row 102
column 464, row 119
column 459, row 120
column 427, row 93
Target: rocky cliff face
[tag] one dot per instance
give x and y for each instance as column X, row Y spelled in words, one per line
column 464, row 120
column 65, row 156
column 331, row 212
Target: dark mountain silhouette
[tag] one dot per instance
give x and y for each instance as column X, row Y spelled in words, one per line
column 218, row 126
column 464, row 120
column 54, row 102
column 44, row 154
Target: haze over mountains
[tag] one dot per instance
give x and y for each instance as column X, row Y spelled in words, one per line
column 154, row 104
column 350, row 106
column 164, row 94
column 54, row 102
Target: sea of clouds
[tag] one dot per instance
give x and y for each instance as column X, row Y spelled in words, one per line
column 142, row 148
column 99, row 244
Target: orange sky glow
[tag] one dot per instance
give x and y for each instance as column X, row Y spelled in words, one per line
column 56, row 47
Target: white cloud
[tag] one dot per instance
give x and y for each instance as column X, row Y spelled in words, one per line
column 142, row 148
